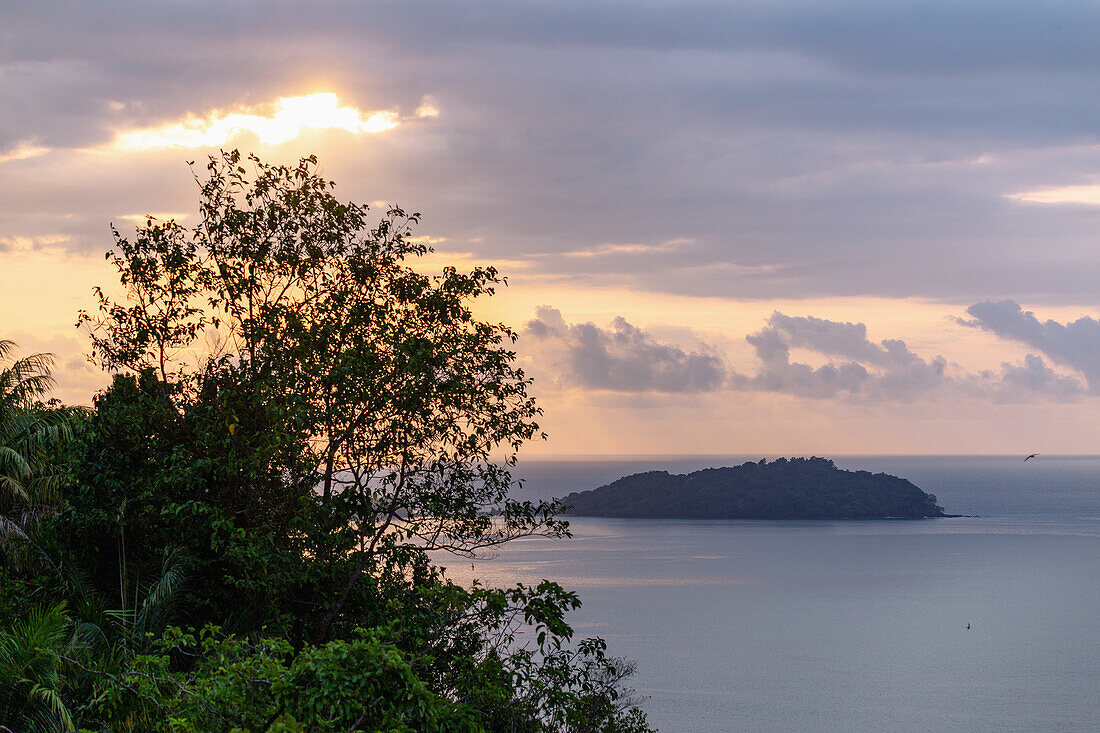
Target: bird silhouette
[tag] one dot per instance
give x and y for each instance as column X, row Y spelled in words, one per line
column 1030, row 457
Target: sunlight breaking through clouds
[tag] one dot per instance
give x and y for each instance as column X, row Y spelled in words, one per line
column 285, row 120
column 1089, row 194
column 427, row 108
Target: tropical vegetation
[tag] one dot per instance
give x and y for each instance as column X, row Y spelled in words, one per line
column 796, row 488
column 244, row 531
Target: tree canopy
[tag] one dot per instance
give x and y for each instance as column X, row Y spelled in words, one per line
column 245, row 523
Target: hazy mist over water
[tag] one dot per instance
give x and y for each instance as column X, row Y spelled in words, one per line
column 826, row 626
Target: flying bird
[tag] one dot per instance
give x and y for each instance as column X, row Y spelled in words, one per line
column 1030, row 457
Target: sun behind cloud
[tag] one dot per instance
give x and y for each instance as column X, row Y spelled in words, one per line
column 285, row 119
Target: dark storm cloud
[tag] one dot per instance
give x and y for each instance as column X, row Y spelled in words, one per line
column 1075, row 344
column 806, row 149
column 626, row 359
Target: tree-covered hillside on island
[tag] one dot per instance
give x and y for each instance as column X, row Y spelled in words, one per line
column 243, row 532
column 799, row 488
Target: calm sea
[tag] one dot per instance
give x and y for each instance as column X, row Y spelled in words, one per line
column 844, row 626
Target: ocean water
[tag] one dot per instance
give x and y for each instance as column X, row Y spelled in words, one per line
column 844, row 626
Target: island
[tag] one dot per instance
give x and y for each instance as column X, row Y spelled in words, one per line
column 796, row 488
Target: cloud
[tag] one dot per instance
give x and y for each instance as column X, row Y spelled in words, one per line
column 1088, row 195
column 427, row 239
column 284, row 120
column 633, row 248
column 1075, row 344
column 621, row 358
column 22, row 151
column 139, row 220
column 806, row 149
column 888, row 370
column 427, row 108
column 50, row 242
column 1036, row 377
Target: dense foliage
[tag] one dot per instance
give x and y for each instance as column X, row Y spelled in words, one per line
column 799, row 488
column 241, row 533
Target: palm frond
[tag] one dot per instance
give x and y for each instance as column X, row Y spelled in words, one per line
column 19, row 543
column 31, row 679
column 13, row 462
column 12, row 487
column 161, row 595
column 26, row 380
column 31, row 434
column 51, row 700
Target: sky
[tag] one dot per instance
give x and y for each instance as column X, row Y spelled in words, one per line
column 728, row 227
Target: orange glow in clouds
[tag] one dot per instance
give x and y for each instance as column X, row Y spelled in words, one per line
column 285, row 120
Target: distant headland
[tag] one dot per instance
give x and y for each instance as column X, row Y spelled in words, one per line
column 796, row 488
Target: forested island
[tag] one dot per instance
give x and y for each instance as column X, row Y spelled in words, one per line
column 798, row 488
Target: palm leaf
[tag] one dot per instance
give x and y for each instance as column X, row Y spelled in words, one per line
column 31, row 677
